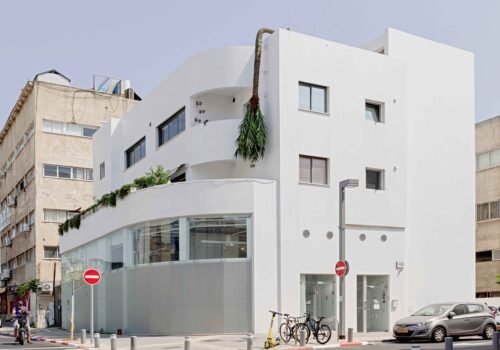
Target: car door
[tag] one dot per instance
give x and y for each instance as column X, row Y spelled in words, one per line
column 457, row 324
column 476, row 317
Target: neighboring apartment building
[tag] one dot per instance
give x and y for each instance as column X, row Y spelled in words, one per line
column 45, row 177
column 488, row 208
column 226, row 242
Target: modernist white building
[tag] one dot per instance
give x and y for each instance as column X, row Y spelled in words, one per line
column 225, row 242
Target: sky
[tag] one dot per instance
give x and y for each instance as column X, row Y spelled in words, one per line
column 144, row 41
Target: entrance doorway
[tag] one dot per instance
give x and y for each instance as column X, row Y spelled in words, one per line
column 318, row 297
column 373, row 303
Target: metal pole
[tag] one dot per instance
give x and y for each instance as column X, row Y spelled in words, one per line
column 249, row 341
column 97, row 340
column 112, row 340
column 84, row 336
column 302, row 337
column 92, row 312
column 72, row 310
column 133, row 342
column 448, row 343
column 350, row 333
column 496, row 341
column 341, row 330
column 187, row 343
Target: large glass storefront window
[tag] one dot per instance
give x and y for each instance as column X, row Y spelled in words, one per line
column 217, row 237
column 156, row 243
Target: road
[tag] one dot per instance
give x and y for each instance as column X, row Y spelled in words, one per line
column 465, row 344
column 8, row 343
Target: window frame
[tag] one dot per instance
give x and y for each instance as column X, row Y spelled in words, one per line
column 160, row 128
column 380, row 106
column 87, row 173
column 66, row 127
column 381, row 178
column 311, row 86
column 311, row 167
column 102, row 170
column 131, row 150
column 57, row 252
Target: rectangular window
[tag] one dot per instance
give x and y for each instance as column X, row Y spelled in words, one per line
column 20, row 260
column 483, row 256
column 135, row 153
column 312, row 97
column 29, row 255
column 172, row 127
column 313, row 170
column 375, row 179
column 56, row 215
column 102, row 170
column 71, row 129
column 50, row 170
column 373, row 112
column 156, row 243
column 217, row 238
column 116, row 256
column 495, row 210
column 50, row 252
column 489, row 159
column 64, row 172
column 67, row 172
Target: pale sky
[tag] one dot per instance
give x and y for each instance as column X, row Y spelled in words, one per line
column 146, row 40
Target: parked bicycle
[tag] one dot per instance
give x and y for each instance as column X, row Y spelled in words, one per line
column 287, row 328
column 312, row 325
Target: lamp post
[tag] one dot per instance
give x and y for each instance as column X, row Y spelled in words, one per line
column 348, row 183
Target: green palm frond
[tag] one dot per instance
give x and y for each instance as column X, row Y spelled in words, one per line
column 252, row 138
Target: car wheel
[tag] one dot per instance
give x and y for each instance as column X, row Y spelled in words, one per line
column 488, row 331
column 438, row 335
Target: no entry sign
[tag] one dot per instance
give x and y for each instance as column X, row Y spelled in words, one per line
column 342, row 268
column 91, row 277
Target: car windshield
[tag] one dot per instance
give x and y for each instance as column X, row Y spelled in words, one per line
column 433, row 310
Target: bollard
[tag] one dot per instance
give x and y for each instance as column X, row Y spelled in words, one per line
column 350, row 333
column 83, row 339
column 187, row 343
column 302, row 337
column 496, row 341
column 133, row 343
column 448, row 343
column 249, row 341
column 97, row 340
column 112, row 340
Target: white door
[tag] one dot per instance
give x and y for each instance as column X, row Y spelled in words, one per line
column 373, row 303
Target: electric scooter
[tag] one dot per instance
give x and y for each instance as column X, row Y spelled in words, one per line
column 270, row 342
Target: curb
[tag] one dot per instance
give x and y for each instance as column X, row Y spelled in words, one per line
column 53, row 341
column 332, row 346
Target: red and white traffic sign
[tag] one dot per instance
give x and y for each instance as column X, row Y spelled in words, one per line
column 342, row 268
column 91, row 277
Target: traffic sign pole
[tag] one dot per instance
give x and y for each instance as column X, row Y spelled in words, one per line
column 92, row 277
column 92, row 313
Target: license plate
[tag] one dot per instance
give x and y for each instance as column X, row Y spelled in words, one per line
column 403, row 330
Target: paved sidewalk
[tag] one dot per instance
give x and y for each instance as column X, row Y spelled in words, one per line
column 207, row 342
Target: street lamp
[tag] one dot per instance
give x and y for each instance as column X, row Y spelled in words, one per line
column 349, row 183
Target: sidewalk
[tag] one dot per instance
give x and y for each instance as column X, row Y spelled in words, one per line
column 208, row 342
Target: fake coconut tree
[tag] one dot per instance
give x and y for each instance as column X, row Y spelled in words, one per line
column 252, row 137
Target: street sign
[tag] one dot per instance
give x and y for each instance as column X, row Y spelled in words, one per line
column 342, row 268
column 91, row 277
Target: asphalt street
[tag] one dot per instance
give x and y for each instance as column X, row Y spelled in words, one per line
column 8, row 343
column 466, row 344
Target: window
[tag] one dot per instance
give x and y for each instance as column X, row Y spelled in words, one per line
column 55, row 215
column 116, row 256
column 55, row 127
column 312, row 97
column 460, row 309
column 488, row 211
column 375, row 179
column 373, row 112
column 488, row 159
column 313, row 170
column 172, row 127
column 20, row 260
column 180, row 177
column 483, row 256
column 136, row 152
column 102, row 170
column 156, row 243
column 217, row 238
column 29, row 255
column 51, row 252
column 67, row 172
column 475, row 308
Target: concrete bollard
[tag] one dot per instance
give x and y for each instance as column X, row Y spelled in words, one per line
column 302, row 337
column 112, row 340
column 249, row 341
column 350, row 335
column 448, row 343
column 133, row 342
column 83, row 338
column 97, row 340
column 187, row 343
column 496, row 341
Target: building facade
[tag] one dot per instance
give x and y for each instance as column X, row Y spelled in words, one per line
column 45, row 177
column 488, row 208
column 225, row 242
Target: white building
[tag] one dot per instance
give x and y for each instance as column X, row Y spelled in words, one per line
column 398, row 115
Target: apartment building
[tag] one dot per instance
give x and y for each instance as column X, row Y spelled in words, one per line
column 45, row 177
column 225, row 242
column 488, row 208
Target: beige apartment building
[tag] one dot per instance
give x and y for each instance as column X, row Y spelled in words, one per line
column 488, row 208
column 46, row 176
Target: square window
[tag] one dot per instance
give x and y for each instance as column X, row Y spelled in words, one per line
column 50, row 170
column 375, row 179
column 51, row 252
column 57, row 127
column 47, row 126
column 313, row 170
column 312, row 97
column 373, row 112
column 64, row 172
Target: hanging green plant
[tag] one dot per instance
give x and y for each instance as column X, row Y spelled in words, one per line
column 252, row 137
column 31, row 286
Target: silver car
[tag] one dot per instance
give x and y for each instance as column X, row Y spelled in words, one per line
column 438, row 321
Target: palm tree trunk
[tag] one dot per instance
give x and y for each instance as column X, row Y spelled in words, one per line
column 254, row 100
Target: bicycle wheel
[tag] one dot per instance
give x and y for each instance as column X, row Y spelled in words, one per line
column 299, row 328
column 285, row 332
column 324, row 334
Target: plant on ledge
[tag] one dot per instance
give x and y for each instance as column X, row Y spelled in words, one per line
column 252, row 137
column 153, row 177
column 31, row 286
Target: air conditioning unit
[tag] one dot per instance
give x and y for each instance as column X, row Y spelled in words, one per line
column 46, row 287
column 6, row 274
column 11, row 201
column 8, row 242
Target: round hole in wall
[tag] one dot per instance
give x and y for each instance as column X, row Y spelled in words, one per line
column 329, row 235
column 383, row 238
column 306, row 233
column 362, row 237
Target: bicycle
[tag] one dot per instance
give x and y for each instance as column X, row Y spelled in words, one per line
column 287, row 328
column 313, row 325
